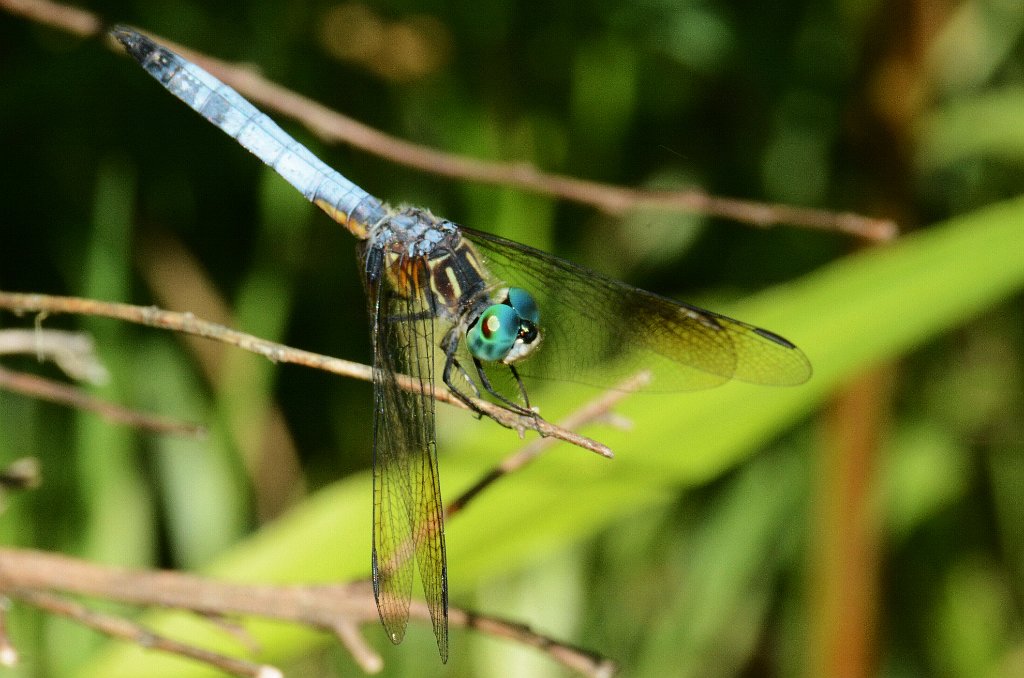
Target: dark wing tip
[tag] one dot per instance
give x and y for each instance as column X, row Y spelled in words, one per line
column 800, row 370
column 135, row 43
column 771, row 336
column 767, row 358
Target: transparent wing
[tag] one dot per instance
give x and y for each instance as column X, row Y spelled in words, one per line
column 597, row 330
column 407, row 512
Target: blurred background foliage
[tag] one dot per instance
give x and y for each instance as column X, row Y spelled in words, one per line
column 868, row 523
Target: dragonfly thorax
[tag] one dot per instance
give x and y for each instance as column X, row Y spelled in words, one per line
column 412, row 232
column 424, row 258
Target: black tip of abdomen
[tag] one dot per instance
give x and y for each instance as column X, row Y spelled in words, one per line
column 135, row 43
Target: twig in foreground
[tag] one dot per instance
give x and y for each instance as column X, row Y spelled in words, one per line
column 119, row 627
column 8, row 655
column 63, row 394
column 335, row 127
column 21, row 474
column 575, row 658
column 25, row 574
column 73, row 352
column 598, row 408
column 187, row 323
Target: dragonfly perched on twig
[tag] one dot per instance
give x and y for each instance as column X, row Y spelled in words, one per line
column 485, row 312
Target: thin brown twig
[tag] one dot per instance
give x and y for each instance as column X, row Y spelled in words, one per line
column 124, row 629
column 187, row 323
column 576, row 658
column 25, row 573
column 71, row 19
column 21, row 474
column 8, row 655
column 334, row 127
column 28, row 573
column 352, row 638
column 599, row 408
column 63, row 394
column 73, row 352
column 234, row 629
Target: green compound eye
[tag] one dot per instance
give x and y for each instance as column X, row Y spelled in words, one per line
column 494, row 333
column 524, row 304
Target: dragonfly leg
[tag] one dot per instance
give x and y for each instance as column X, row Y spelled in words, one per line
column 450, row 345
column 522, row 387
column 509, row 404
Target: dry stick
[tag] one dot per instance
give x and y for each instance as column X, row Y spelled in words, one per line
column 598, row 408
column 329, row 607
column 24, row 573
column 70, row 19
column 73, row 352
column 118, row 627
column 8, row 655
column 320, row 606
column 234, row 629
column 573, row 657
column 187, row 323
column 21, row 474
column 335, row 127
column 354, row 641
column 63, row 394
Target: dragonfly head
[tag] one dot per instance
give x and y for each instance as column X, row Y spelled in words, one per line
column 506, row 331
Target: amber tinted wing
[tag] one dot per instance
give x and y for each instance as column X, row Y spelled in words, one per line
column 596, row 329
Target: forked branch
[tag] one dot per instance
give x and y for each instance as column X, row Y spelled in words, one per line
column 333, row 127
column 40, row 579
column 188, row 323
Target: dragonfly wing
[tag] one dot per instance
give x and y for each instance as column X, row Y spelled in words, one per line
column 597, row 330
column 407, row 513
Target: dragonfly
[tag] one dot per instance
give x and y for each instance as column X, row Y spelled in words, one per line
column 484, row 314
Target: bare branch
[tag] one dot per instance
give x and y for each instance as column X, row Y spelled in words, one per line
column 575, row 658
column 32, row 575
column 73, row 352
column 8, row 655
column 187, row 323
column 353, row 640
column 237, row 631
column 56, row 392
column 119, row 627
column 597, row 409
column 334, row 127
column 21, row 474
column 73, row 20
